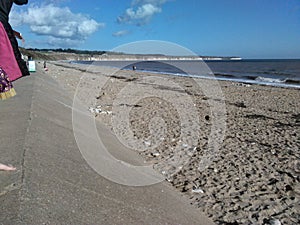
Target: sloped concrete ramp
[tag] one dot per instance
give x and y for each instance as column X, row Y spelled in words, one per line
column 53, row 184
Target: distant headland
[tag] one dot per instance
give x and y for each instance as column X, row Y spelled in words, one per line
column 86, row 55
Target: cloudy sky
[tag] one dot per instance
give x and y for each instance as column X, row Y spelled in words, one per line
column 246, row 28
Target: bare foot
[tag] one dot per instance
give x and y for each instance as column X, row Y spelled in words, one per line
column 6, row 168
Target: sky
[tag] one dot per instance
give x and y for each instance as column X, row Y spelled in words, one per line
column 244, row 28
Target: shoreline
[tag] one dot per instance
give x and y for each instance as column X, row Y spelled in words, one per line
column 255, row 176
column 220, row 76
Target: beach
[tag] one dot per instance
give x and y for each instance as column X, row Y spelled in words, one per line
column 251, row 178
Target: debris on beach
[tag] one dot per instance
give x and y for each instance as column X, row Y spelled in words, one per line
column 271, row 222
column 98, row 111
column 198, row 191
column 147, row 143
column 297, row 166
column 92, row 110
column 241, row 84
column 156, row 154
column 240, row 104
column 185, row 145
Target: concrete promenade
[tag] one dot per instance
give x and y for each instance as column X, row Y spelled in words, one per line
column 53, row 184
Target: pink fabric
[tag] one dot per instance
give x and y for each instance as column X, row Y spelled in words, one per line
column 7, row 58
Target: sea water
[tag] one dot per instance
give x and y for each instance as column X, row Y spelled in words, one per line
column 283, row 73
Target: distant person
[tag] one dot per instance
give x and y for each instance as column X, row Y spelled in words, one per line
column 10, row 57
column 45, row 66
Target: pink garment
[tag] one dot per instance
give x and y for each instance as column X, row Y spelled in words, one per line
column 7, row 57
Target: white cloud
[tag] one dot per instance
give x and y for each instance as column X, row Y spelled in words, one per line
column 57, row 23
column 153, row 2
column 65, row 42
column 121, row 33
column 141, row 11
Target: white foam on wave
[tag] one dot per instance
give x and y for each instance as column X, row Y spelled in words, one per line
column 270, row 80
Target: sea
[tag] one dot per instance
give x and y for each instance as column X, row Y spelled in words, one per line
column 273, row 72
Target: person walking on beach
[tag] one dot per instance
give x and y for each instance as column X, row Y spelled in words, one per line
column 12, row 66
column 10, row 57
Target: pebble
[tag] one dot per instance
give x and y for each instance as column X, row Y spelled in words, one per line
column 98, row 111
column 297, row 166
column 198, row 191
column 92, row 110
column 185, row 145
column 156, row 154
column 148, row 143
column 272, row 222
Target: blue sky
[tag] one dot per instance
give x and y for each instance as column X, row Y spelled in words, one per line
column 246, row 28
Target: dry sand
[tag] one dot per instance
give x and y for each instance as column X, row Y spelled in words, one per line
column 253, row 178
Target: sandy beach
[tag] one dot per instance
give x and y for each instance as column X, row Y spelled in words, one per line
column 254, row 176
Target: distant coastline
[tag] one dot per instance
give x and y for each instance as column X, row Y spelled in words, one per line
column 157, row 58
column 79, row 55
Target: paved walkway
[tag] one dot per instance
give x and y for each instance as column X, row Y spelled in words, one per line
column 54, row 184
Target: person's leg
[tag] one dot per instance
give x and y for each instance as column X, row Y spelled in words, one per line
column 6, row 168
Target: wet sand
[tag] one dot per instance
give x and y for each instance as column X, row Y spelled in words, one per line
column 254, row 176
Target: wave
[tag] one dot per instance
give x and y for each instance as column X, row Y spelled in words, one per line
column 225, row 75
column 292, row 81
column 270, row 80
column 273, row 78
column 257, row 79
column 287, row 83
